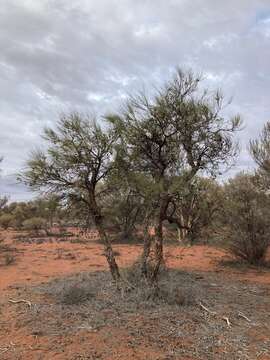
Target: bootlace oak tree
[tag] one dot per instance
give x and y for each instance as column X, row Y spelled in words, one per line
column 178, row 131
column 79, row 156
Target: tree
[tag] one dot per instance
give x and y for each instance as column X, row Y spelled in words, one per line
column 195, row 207
column 260, row 151
column 124, row 204
column 178, row 131
column 3, row 200
column 122, row 210
column 246, row 219
column 79, row 157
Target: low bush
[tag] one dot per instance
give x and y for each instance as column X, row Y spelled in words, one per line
column 6, row 221
column 247, row 220
column 35, row 224
column 75, row 295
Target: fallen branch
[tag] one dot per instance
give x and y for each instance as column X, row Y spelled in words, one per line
column 6, row 348
column 225, row 318
column 207, row 310
column 244, row 316
column 20, row 301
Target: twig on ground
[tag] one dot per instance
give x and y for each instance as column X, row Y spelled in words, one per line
column 20, row 301
column 6, row 348
column 207, row 310
column 225, row 318
column 244, row 316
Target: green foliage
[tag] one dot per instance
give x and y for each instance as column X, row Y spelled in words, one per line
column 247, row 219
column 196, row 207
column 78, row 157
column 6, row 220
column 124, row 207
column 260, row 151
column 48, row 208
column 181, row 129
column 35, row 224
column 4, row 199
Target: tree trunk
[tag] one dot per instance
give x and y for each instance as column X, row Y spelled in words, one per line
column 158, row 249
column 159, row 236
column 98, row 220
column 108, row 252
column 146, row 252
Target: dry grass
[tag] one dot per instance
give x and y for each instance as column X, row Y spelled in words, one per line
column 169, row 317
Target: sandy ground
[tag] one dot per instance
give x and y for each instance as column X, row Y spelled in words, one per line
column 38, row 264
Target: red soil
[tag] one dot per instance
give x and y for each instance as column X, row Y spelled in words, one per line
column 40, row 263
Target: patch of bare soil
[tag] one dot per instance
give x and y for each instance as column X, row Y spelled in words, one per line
column 202, row 310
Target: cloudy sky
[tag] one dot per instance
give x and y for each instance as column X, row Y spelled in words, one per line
column 59, row 55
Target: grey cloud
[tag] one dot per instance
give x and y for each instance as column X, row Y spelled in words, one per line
column 86, row 55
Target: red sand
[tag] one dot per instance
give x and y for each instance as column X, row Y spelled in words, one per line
column 40, row 263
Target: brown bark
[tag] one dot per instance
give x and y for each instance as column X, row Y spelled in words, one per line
column 159, row 236
column 98, row 220
column 146, row 252
column 158, row 250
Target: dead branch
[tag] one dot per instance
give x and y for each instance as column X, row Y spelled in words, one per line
column 240, row 314
column 225, row 318
column 207, row 310
column 6, row 348
column 20, row 301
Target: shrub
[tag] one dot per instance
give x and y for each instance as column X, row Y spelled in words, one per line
column 35, row 223
column 247, row 217
column 6, row 220
column 75, row 295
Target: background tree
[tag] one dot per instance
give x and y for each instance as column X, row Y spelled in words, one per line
column 179, row 131
column 260, row 151
column 124, row 208
column 78, row 158
column 195, row 207
column 246, row 219
column 3, row 199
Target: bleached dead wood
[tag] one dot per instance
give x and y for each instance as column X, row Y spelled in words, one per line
column 6, row 348
column 244, row 316
column 207, row 310
column 225, row 318
column 20, row 301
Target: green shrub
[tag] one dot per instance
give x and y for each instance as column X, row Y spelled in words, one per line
column 35, row 223
column 75, row 295
column 247, row 219
column 6, row 220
